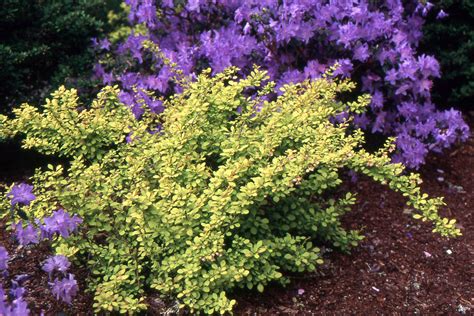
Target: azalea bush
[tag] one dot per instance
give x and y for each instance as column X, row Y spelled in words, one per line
column 222, row 189
column 375, row 43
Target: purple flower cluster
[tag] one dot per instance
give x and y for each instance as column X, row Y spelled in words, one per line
column 56, row 263
column 63, row 288
column 21, row 194
column 18, row 306
column 28, row 235
column 373, row 42
column 60, row 223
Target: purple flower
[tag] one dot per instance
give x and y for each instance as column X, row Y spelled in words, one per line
column 65, row 289
column 247, row 28
column 126, row 98
column 391, row 76
column 168, row 3
column 4, row 308
column 441, row 15
column 361, row 52
column 424, row 8
column 95, row 42
column 156, row 83
column 137, row 110
column 314, row 69
column 193, row 5
column 17, row 291
column 157, row 130
column 377, row 100
column 237, row 47
column 129, row 138
column 108, row 78
column 345, row 67
column 104, row 44
column 288, row 77
column 56, row 263
column 61, row 223
column 361, row 120
column 21, row 194
column 129, row 80
column 353, row 176
column 428, row 66
column 146, row 13
column 99, row 71
column 156, row 106
column 413, row 150
column 28, row 235
column 20, row 307
column 3, row 258
column 20, row 278
column 348, row 33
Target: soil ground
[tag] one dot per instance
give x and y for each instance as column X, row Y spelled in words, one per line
column 400, row 268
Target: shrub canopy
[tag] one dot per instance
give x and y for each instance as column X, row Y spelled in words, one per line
column 222, row 190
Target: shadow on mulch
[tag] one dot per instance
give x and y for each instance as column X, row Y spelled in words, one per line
column 401, row 267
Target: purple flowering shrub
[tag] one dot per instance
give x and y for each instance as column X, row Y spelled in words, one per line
column 375, row 43
column 64, row 287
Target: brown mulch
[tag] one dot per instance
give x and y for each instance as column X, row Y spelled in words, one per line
column 28, row 260
column 400, row 268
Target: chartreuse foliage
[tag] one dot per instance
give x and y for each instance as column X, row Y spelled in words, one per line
column 229, row 193
column 60, row 129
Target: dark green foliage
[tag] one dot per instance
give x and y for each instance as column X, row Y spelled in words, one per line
column 44, row 43
column 451, row 40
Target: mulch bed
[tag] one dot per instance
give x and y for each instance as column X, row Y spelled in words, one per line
column 28, row 260
column 401, row 267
